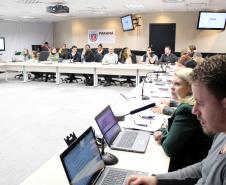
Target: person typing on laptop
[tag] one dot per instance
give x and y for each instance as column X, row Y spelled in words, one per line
column 209, row 91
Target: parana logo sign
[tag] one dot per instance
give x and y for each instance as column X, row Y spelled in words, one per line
column 101, row 36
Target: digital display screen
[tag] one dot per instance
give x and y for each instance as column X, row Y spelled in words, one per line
column 127, row 23
column 212, row 20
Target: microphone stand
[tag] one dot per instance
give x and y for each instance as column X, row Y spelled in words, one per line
column 108, row 158
column 143, row 97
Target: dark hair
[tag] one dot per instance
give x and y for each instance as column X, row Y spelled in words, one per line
column 212, row 73
column 151, row 47
column 100, row 45
column 168, row 47
column 46, row 43
column 87, row 45
column 73, row 47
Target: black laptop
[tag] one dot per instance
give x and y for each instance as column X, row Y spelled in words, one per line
column 83, row 164
column 116, row 138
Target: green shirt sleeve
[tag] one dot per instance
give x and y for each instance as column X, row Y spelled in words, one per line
column 180, row 131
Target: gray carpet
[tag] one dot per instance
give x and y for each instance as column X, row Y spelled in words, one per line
column 36, row 116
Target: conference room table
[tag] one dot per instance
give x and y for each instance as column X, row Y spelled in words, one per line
column 153, row 161
column 2, row 67
column 136, row 70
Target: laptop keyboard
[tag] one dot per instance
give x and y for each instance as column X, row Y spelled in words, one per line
column 127, row 139
column 114, row 177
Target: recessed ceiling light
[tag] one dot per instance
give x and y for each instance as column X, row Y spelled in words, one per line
column 27, row 17
column 99, row 12
column 134, row 6
column 173, row 1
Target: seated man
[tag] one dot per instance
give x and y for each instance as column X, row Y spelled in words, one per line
column 75, row 56
column 209, row 91
column 109, row 58
column 88, row 56
column 149, row 57
column 168, row 57
column 63, row 52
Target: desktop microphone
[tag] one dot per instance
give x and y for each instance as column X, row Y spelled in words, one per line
column 108, row 158
column 159, row 72
column 141, row 109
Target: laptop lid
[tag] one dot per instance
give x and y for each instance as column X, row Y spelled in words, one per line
column 82, row 161
column 108, row 125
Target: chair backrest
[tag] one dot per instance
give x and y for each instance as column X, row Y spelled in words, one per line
column 43, row 56
column 70, row 139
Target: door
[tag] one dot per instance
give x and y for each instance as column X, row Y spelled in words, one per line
column 161, row 35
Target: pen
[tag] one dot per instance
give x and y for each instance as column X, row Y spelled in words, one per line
column 139, row 124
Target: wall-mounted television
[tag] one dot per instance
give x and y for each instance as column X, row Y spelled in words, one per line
column 2, row 44
column 210, row 20
column 127, row 23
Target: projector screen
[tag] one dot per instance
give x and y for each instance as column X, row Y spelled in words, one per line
column 2, row 44
column 211, row 20
column 127, row 23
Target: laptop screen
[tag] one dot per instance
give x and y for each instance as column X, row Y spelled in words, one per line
column 82, row 161
column 108, row 125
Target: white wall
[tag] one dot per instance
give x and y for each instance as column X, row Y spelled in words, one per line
column 75, row 32
column 20, row 35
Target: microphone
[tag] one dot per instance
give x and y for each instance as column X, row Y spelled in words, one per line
column 141, row 109
column 143, row 97
column 159, row 72
column 108, row 158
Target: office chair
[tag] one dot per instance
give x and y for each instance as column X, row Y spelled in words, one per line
column 70, row 139
column 110, row 79
column 21, row 76
column 128, row 81
column 43, row 56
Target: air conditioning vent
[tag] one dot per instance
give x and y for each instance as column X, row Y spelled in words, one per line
column 28, row 2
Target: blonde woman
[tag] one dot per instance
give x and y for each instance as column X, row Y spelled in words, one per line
column 183, row 140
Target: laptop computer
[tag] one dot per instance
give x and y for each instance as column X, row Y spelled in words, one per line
column 116, row 138
column 83, row 164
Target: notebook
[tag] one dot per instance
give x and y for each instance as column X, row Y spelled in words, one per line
column 83, row 164
column 116, row 138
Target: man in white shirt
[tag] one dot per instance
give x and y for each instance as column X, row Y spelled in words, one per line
column 109, row 58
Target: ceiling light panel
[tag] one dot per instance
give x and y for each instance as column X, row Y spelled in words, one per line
column 134, row 6
column 173, row 1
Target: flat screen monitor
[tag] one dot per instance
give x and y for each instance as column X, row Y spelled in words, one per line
column 127, row 23
column 2, row 44
column 210, row 20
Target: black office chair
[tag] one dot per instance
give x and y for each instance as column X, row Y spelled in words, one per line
column 70, row 139
column 43, row 56
column 128, row 81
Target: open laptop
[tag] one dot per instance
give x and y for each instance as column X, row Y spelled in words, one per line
column 116, row 138
column 83, row 164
